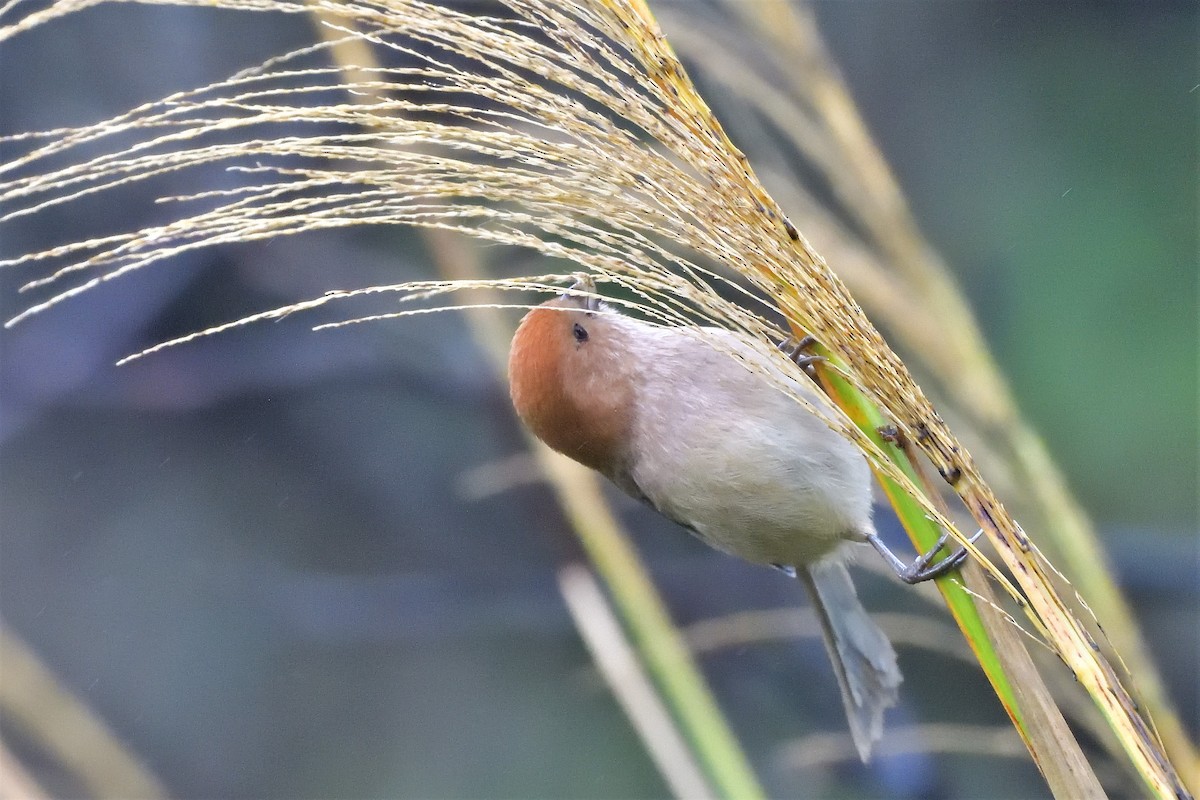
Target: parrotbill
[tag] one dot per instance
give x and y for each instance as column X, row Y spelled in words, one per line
column 684, row 420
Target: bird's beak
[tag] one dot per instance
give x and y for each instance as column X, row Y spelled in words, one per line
column 583, row 290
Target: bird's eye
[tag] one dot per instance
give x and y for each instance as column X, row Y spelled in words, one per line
column 579, row 332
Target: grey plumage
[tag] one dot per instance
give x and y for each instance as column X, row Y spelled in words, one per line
column 862, row 656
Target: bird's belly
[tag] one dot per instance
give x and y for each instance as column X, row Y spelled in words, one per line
column 764, row 531
column 756, row 501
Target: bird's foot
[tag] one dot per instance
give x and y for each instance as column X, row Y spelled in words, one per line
column 797, row 350
column 921, row 569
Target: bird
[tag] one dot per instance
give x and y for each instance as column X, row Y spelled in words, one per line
column 683, row 419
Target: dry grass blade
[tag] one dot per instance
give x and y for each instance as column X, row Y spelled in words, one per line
column 830, row 748
column 15, row 781
column 629, row 684
column 567, row 127
column 35, row 703
column 752, row 627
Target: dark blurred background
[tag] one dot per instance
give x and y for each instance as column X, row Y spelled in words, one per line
column 266, row 560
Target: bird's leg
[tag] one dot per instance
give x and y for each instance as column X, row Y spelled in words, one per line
column 797, row 350
column 920, row 570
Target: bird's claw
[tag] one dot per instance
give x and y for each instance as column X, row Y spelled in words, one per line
column 920, row 569
column 797, row 351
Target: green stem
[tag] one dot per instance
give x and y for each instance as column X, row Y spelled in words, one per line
column 660, row 643
column 924, row 534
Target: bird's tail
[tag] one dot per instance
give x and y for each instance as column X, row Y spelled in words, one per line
column 862, row 656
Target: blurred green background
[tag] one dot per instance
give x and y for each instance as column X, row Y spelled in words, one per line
column 264, row 559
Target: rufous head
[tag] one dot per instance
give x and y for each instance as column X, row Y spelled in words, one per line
column 571, row 375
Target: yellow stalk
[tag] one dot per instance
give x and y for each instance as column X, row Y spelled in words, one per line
column 954, row 350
